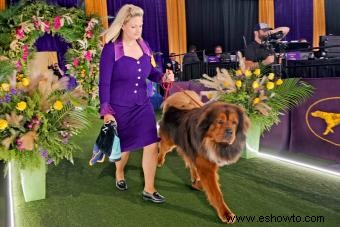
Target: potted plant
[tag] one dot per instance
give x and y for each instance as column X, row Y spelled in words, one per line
column 38, row 116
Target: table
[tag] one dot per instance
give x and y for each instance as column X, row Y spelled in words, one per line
column 196, row 70
column 313, row 68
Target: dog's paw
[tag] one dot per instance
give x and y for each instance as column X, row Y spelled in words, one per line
column 228, row 218
column 160, row 161
column 197, row 185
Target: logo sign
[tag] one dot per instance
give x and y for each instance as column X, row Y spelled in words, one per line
column 323, row 120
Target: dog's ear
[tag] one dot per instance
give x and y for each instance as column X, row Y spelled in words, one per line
column 244, row 121
column 204, row 121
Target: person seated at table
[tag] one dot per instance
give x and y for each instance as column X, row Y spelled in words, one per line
column 218, row 51
column 173, row 65
column 191, row 56
column 258, row 52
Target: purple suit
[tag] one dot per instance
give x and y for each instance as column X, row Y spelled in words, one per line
column 123, row 93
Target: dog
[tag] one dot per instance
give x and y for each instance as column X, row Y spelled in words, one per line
column 331, row 119
column 207, row 137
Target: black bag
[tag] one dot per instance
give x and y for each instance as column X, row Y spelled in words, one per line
column 106, row 136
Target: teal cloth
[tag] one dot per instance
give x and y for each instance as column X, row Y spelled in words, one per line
column 116, row 150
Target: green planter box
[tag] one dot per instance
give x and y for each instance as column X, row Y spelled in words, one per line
column 33, row 182
column 252, row 142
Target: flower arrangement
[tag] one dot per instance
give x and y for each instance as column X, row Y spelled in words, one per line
column 38, row 116
column 24, row 24
column 263, row 95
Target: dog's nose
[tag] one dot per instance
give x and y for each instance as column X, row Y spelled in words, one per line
column 228, row 132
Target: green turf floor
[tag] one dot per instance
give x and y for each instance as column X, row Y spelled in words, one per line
column 79, row 195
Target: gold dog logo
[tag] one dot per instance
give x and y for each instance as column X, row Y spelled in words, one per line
column 331, row 119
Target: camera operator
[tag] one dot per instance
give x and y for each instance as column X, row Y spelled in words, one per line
column 260, row 50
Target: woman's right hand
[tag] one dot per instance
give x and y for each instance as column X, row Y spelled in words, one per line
column 108, row 117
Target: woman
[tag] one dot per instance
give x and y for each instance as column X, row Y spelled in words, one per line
column 126, row 63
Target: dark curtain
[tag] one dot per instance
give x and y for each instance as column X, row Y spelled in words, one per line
column 297, row 15
column 332, row 11
column 63, row 3
column 220, row 22
column 239, row 19
column 155, row 27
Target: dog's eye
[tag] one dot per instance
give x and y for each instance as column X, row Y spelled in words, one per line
column 220, row 122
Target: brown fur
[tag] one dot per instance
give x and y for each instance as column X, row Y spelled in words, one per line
column 206, row 137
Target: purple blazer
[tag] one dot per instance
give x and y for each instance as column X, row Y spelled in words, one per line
column 122, row 79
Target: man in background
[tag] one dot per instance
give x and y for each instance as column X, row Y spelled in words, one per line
column 173, row 65
column 257, row 51
column 191, row 56
column 218, row 51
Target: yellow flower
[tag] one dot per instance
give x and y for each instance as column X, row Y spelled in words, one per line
column 19, row 85
column 210, row 95
column 279, row 82
column 271, row 76
column 21, row 106
column 238, row 83
column 238, row 72
column 247, row 73
column 257, row 72
column 25, row 81
column 270, row 85
column 225, row 84
column 5, row 86
column 256, row 100
column 58, row 105
column 255, row 85
column 3, row 124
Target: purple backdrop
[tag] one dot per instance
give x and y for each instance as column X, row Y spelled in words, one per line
column 296, row 14
column 302, row 138
column 155, row 28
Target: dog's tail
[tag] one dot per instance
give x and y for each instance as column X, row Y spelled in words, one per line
column 183, row 100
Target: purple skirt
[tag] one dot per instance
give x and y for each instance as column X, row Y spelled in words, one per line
column 136, row 126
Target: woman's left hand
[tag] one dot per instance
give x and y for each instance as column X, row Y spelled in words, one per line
column 168, row 76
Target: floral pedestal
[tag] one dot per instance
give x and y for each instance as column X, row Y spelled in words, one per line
column 33, row 182
column 251, row 149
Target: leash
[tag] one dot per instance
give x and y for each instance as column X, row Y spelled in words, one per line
column 167, row 85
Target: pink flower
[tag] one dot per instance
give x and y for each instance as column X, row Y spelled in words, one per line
column 20, row 33
column 18, row 66
column 47, row 26
column 36, row 24
column 89, row 34
column 20, row 145
column 76, row 62
column 57, row 23
column 25, row 52
column 87, row 55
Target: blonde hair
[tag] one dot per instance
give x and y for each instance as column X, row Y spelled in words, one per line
column 125, row 13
